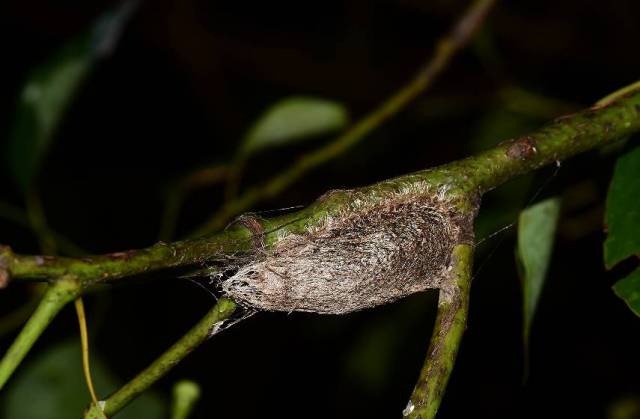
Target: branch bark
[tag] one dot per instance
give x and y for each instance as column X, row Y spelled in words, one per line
column 461, row 182
column 615, row 118
column 204, row 329
column 54, row 299
column 447, row 334
column 557, row 141
column 446, row 48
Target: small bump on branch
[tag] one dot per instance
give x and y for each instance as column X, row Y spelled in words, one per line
column 5, row 257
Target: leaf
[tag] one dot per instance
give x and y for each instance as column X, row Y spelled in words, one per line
column 629, row 290
column 185, row 395
column 536, row 230
column 43, row 100
column 294, row 119
column 50, row 89
column 622, row 217
column 55, row 380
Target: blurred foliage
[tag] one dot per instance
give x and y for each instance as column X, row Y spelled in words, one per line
column 288, row 121
column 43, row 101
column 371, row 357
column 536, row 234
column 294, row 119
column 185, row 395
column 627, row 407
column 50, row 89
column 52, row 386
column 623, row 225
column 623, row 212
column 629, row 290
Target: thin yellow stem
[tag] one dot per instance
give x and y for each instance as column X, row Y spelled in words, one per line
column 84, row 339
column 612, row 97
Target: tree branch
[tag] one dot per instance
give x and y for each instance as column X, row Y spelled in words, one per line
column 460, row 182
column 205, row 328
column 447, row 335
column 446, row 48
column 559, row 140
column 90, row 270
column 55, row 298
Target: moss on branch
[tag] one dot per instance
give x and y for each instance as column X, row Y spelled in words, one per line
column 447, row 335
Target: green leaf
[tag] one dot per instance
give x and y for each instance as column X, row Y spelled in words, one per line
column 52, row 386
column 623, row 210
column 629, row 290
column 536, row 231
column 294, row 119
column 43, row 100
column 185, row 395
column 50, row 89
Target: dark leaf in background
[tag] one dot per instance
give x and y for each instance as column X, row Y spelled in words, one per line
column 536, row 232
column 185, row 395
column 52, row 386
column 629, row 290
column 294, row 119
column 623, row 210
column 51, row 88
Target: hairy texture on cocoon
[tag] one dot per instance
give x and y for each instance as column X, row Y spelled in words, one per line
column 368, row 255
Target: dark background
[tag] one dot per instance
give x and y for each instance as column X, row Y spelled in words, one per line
column 185, row 83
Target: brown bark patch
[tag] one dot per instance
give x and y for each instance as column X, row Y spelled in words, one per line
column 522, row 148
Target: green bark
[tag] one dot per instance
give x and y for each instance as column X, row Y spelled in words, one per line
column 158, row 368
column 461, row 182
column 55, row 298
column 447, row 335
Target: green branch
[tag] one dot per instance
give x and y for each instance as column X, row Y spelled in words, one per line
column 474, row 175
column 90, row 270
column 447, row 335
column 446, row 48
column 205, row 328
column 460, row 181
column 54, row 299
column 555, row 142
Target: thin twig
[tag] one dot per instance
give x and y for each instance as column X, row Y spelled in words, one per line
column 55, row 298
column 39, row 223
column 177, row 193
column 19, row 217
column 84, row 341
column 446, row 48
column 205, row 328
